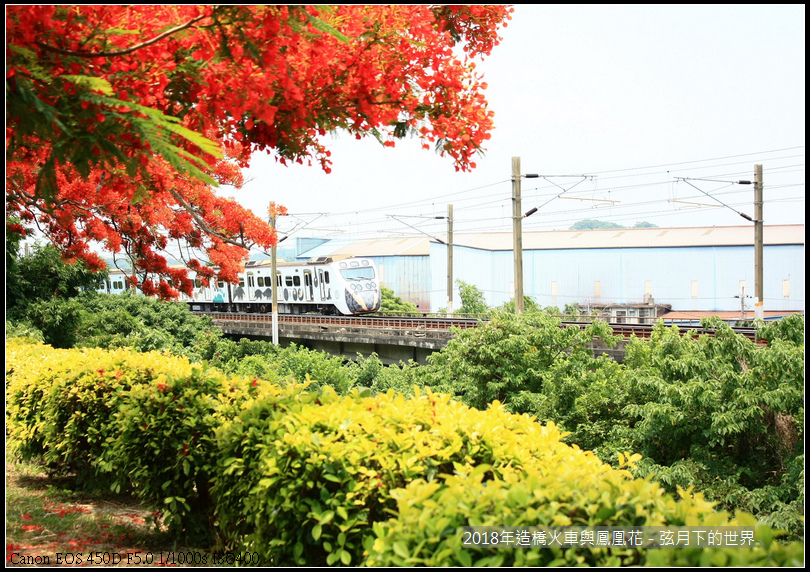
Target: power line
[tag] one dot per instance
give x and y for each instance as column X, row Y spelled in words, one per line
column 468, row 201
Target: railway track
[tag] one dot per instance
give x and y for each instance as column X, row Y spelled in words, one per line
column 428, row 323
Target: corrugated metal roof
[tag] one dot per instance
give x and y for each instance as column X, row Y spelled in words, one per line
column 636, row 237
column 416, row 246
column 569, row 239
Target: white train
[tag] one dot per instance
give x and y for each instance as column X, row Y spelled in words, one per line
column 321, row 285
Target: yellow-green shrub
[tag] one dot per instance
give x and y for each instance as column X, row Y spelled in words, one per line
column 311, row 475
column 427, row 530
column 141, row 423
column 302, row 477
column 165, row 448
column 27, row 366
column 62, row 403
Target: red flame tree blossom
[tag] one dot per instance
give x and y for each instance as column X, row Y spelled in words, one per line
column 121, row 119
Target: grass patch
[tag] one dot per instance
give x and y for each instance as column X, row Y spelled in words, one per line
column 50, row 522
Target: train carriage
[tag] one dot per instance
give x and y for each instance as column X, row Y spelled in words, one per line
column 348, row 286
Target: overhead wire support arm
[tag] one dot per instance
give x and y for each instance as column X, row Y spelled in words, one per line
column 440, row 241
column 745, row 216
column 564, row 190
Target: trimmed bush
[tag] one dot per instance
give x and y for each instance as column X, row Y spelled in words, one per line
column 140, row 423
column 427, row 530
column 315, row 474
column 62, row 403
column 306, row 477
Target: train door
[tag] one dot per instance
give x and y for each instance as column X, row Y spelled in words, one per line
column 321, row 285
column 251, row 287
column 308, row 288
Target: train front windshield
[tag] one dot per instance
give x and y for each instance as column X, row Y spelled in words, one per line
column 362, row 273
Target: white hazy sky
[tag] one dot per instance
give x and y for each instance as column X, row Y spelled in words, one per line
column 632, row 96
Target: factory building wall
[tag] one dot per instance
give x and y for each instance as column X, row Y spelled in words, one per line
column 489, row 271
column 408, row 277
column 707, row 278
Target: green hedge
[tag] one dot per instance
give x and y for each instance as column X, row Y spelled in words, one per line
column 127, row 421
column 302, row 476
column 430, row 515
column 314, row 474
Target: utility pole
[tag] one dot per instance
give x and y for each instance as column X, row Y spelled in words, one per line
column 449, row 260
column 273, row 264
column 759, row 297
column 517, row 235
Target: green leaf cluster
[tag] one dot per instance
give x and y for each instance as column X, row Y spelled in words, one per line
column 512, row 358
column 472, row 299
column 320, row 478
column 43, row 276
column 393, row 304
column 723, row 414
column 430, row 515
column 143, row 324
column 257, row 358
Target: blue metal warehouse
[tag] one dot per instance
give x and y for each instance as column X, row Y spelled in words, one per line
column 700, row 268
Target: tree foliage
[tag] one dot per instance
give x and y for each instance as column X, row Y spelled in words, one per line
column 591, row 224
column 143, row 324
column 529, row 306
column 393, row 303
column 472, row 299
column 719, row 413
column 120, row 118
column 511, row 359
column 42, row 275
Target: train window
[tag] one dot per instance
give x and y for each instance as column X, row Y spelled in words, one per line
column 198, row 283
column 241, row 282
column 278, row 279
column 296, row 280
column 326, row 277
column 288, row 281
column 220, row 284
column 365, row 273
column 261, row 282
column 250, row 280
